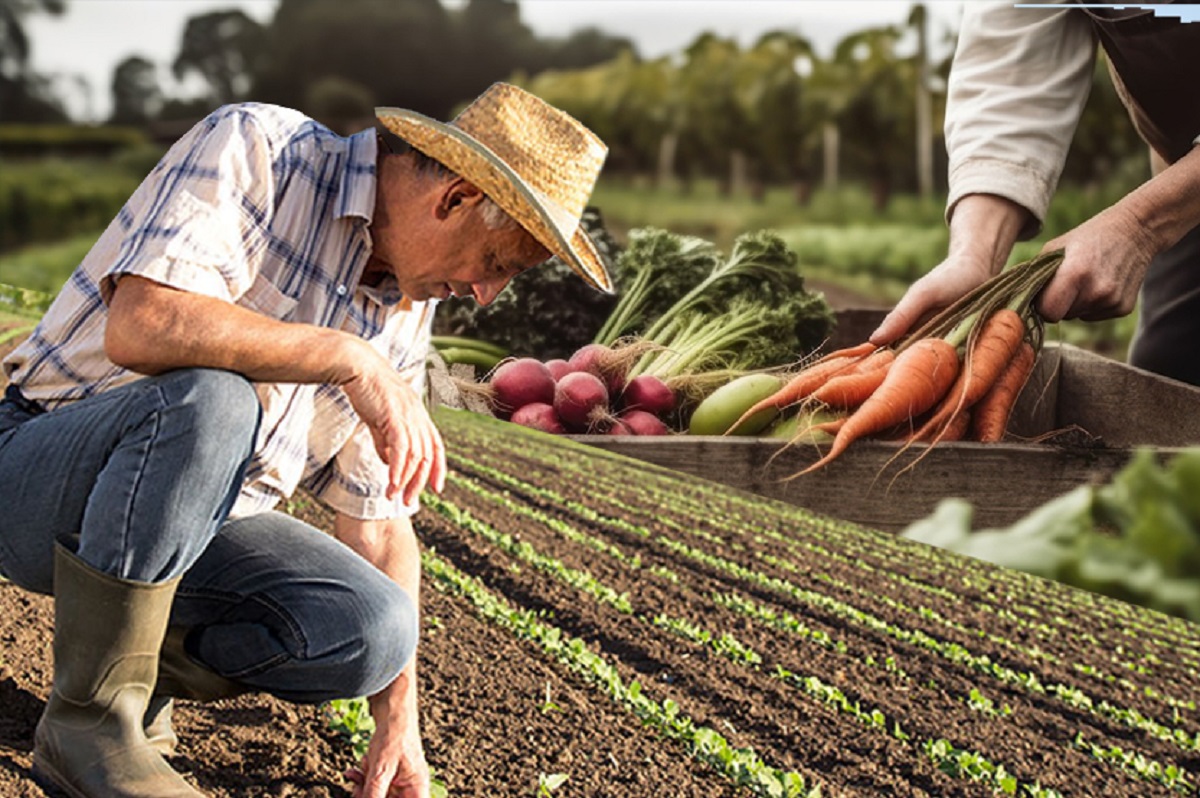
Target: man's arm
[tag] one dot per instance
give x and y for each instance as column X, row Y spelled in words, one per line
column 1108, row 255
column 396, row 757
column 153, row 328
column 1016, row 90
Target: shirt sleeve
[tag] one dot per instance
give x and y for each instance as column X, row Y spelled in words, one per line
column 199, row 221
column 1018, row 84
column 354, row 481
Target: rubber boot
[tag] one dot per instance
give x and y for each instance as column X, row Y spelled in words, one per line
column 160, row 734
column 108, row 631
column 179, row 676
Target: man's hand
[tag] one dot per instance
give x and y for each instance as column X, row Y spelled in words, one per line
column 404, row 434
column 949, row 280
column 982, row 231
column 394, row 766
column 1105, row 262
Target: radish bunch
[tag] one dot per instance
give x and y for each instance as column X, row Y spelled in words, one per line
column 588, row 393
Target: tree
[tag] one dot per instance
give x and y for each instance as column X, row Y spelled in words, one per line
column 919, row 19
column 586, row 47
column 871, row 92
column 344, row 106
column 398, row 50
column 776, row 105
column 493, row 44
column 136, row 94
column 24, row 96
column 224, row 48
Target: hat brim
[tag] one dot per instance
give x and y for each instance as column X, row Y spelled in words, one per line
column 472, row 160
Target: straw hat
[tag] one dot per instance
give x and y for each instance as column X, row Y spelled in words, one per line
column 534, row 161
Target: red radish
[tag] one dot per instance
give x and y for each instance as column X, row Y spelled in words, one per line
column 559, row 368
column 602, row 361
column 589, row 358
column 649, row 393
column 521, row 382
column 540, row 416
column 580, row 398
column 619, row 427
column 641, row 422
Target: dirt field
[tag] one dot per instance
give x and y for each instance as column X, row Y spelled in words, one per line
column 769, row 644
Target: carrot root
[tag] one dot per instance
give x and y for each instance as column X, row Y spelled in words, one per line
column 918, row 378
column 990, row 419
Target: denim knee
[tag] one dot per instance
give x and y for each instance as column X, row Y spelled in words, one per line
column 388, row 640
column 225, row 405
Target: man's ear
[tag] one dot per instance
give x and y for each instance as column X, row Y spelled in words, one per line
column 458, row 194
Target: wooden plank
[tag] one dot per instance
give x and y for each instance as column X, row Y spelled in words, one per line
column 1123, row 405
column 1004, row 482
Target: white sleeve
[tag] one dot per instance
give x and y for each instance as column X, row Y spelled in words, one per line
column 1018, row 83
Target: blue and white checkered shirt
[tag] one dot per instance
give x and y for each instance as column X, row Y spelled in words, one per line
column 263, row 207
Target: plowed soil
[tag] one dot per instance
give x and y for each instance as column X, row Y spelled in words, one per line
column 1022, row 673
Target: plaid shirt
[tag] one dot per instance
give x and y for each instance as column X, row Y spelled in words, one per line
column 263, row 207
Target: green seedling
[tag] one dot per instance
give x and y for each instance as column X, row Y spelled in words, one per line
column 549, row 782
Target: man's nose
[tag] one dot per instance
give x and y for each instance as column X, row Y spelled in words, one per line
column 488, row 290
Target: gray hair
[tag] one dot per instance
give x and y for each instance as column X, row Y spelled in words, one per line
column 493, row 216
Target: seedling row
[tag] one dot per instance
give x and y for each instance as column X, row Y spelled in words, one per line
column 759, row 620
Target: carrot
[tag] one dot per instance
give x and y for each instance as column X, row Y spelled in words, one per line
column 849, row 390
column 920, row 376
column 955, row 429
column 988, row 356
column 990, row 419
column 856, row 351
column 801, row 385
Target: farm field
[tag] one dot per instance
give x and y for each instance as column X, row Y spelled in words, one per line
column 644, row 634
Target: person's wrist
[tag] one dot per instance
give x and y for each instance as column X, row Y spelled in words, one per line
column 349, row 357
column 984, row 228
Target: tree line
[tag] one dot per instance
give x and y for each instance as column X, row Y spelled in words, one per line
column 775, row 112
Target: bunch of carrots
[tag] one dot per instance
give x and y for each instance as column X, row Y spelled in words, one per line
column 957, row 377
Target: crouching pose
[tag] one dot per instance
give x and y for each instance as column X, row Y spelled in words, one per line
column 254, row 320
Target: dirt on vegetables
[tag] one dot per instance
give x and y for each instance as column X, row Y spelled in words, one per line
column 774, row 652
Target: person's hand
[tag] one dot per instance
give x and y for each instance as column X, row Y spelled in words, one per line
column 947, row 282
column 982, row 231
column 394, row 767
column 1103, row 267
column 404, row 434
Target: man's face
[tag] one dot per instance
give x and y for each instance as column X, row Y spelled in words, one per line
column 446, row 249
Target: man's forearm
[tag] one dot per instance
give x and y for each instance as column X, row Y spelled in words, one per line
column 1168, row 205
column 391, row 546
column 153, row 328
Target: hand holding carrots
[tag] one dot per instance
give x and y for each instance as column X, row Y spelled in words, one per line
column 956, row 376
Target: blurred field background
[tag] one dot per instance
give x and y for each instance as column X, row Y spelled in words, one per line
column 839, row 149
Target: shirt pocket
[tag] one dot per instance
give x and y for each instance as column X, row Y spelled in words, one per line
column 263, row 297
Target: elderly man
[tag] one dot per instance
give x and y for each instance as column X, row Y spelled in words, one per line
column 256, row 319
column 1018, row 84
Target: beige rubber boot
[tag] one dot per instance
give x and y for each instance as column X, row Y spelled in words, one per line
column 179, row 676
column 90, row 741
column 160, row 734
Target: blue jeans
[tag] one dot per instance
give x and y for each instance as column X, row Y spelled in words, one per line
column 139, row 481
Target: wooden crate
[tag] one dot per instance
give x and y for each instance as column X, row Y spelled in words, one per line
column 1119, row 407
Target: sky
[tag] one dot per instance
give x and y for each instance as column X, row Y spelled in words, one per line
column 92, row 36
